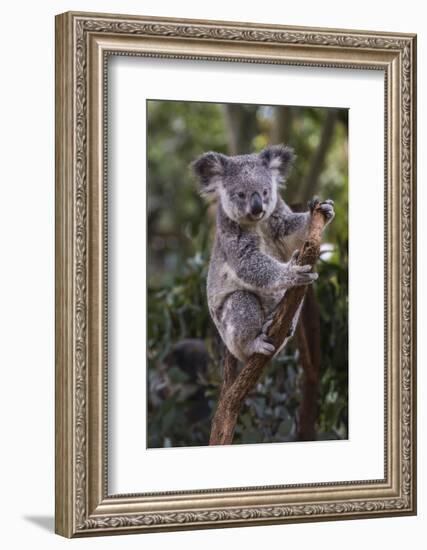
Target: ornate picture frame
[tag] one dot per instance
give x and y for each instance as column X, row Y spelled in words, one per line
column 84, row 42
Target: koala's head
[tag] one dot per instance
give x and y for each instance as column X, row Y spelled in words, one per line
column 246, row 185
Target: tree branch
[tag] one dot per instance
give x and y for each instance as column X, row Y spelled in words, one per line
column 229, row 372
column 232, row 397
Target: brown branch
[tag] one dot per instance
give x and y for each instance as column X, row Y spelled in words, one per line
column 229, row 372
column 232, row 398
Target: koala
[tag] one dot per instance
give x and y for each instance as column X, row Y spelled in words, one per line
column 253, row 261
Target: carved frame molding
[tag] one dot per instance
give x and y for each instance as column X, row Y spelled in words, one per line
column 83, row 43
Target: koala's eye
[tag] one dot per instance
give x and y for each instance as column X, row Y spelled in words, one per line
column 265, row 192
column 241, row 195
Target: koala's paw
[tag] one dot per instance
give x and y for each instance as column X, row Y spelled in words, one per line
column 262, row 344
column 299, row 274
column 326, row 207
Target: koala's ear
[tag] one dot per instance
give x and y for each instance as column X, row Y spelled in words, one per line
column 209, row 168
column 278, row 157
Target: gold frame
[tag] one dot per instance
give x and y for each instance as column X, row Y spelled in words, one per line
column 83, row 43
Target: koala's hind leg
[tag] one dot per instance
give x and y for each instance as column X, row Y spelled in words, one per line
column 241, row 322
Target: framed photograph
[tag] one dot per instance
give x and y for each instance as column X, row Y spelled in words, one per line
column 235, row 274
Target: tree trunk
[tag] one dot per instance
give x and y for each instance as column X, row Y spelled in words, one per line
column 308, row 337
column 281, row 126
column 316, row 166
column 242, row 126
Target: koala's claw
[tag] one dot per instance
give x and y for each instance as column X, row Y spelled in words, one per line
column 262, row 344
column 302, row 268
column 266, row 325
column 306, row 278
column 298, row 274
column 295, row 256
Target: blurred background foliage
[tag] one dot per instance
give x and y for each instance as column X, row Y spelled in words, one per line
column 303, row 395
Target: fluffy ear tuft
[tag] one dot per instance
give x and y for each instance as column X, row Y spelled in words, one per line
column 209, row 168
column 278, row 157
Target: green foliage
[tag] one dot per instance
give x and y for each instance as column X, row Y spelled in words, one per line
column 177, row 133
column 332, row 294
column 184, row 350
column 178, row 310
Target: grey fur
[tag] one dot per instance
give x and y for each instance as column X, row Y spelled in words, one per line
column 253, row 261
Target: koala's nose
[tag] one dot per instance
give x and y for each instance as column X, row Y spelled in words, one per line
column 255, row 204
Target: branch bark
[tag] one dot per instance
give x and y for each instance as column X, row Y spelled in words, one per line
column 232, row 397
column 229, row 372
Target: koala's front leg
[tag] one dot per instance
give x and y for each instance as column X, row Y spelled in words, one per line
column 284, row 223
column 255, row 271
